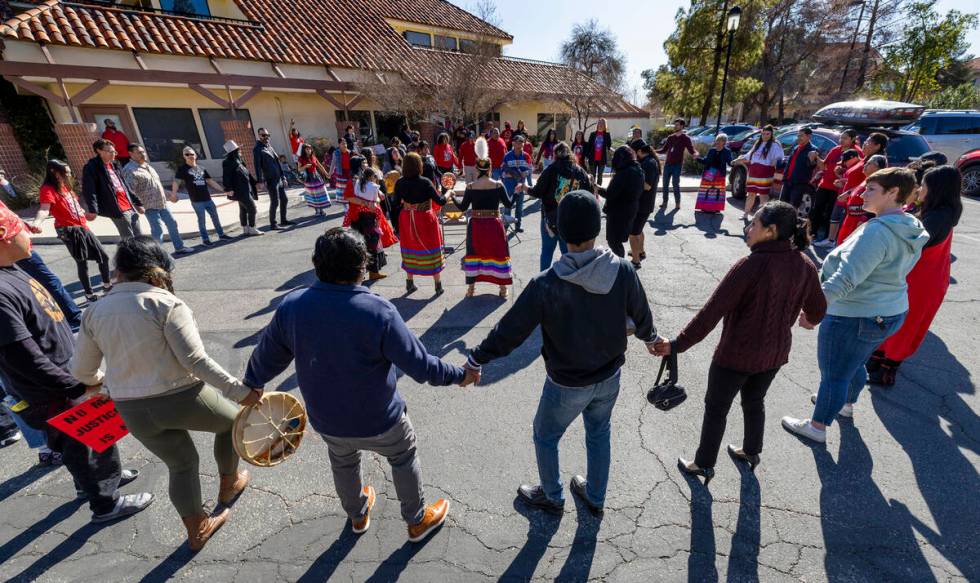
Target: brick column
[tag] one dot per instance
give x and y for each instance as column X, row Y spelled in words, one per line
column 241, row 131
column 12, row 159
column 77, row 140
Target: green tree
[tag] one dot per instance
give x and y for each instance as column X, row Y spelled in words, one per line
column 964, row 96
column 928, row 43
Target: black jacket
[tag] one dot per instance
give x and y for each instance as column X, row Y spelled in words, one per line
column 589, row 154
column 583, row 333
column 267, row 167
column 97, row 191
column 623, row 201
column 236, row 178
column 557, row 180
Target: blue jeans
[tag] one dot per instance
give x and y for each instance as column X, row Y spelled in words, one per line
column 843, row 346
column 517, row 199
column 35, row 438
column 160, row 217
column 672, row 172
column 496, row 173
column 207, row 206
column 559, row 406
column 548, row 244
column 36, row 268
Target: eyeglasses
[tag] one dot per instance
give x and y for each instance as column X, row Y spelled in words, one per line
column 190, row 155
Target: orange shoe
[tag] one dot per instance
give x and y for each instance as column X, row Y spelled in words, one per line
column 435, row 515
column 361, row 526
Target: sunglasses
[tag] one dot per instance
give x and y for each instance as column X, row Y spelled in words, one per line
column 263, row 136
column 190, row 155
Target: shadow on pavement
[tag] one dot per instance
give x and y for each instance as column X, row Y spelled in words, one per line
column 744, row 556
column 169, row 567
column 324, row 566
column 15, row 484
column 65, row 549
column 578, row 565
column 701, row 560
column 863, row 533
column 391, row 568
column 934, row 434
column 541, row 528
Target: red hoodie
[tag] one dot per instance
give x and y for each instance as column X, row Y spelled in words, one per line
column 445, row 157
column 467, row 151
column 498, row 149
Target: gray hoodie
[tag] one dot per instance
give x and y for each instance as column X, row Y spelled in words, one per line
column 594, row 270
column 865, row 276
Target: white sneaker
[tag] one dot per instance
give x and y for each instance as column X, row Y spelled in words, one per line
column 846, row 411
column 804, row 428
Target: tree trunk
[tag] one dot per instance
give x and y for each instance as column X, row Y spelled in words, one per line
column 782, row 106
column 866, row 54
column 715, row 65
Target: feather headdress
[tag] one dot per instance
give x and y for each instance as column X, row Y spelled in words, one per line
column 482, row 149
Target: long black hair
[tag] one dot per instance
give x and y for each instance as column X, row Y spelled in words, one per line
column 789, row 227
column 142, row 258
column 56, row 174
column 769, row 142
column 623, row 157
column 943, row 186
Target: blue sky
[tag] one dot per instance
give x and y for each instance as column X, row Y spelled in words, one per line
column 640, row 26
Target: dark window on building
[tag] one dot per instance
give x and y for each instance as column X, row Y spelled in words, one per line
column 446, row 43
column 196, row 7
column 558, row 122
column 474, row 47
column 419, row 39
column 167, row 131
column 363, row 125
column 211, row 122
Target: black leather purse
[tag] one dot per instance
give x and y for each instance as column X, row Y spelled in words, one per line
column 667, row 395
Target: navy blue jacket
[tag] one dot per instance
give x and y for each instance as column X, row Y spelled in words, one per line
column 346, row 342
column 803, row 169
column 267, row 168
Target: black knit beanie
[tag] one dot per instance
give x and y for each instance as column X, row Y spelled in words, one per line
column 579, row 217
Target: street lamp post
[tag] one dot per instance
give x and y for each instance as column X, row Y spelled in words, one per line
column 734, row 17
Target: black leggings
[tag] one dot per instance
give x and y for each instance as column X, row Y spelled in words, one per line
column 246, row 211
column 82, row 266
column 597, row 168
column 723, row 385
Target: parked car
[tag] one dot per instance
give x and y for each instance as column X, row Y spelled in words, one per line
column 969, row 166
column 736, row 141
column 951, row 132
column 708, row 136
column 903, row 146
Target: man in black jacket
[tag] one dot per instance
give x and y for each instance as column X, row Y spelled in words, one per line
column 268, row 170
column 35, row 348
column 557, row 180
column 105, row 192
column 583, row 305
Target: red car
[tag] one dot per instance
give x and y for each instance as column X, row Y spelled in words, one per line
column 969, row 166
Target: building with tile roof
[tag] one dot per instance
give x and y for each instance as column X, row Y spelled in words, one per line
column 196, row 72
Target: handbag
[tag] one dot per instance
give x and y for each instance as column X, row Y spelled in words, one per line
column 667, row 395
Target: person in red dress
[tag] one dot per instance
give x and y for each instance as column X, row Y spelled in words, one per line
column 366, row 216
column 59, row 200
column 418, row 226
column 940, row 211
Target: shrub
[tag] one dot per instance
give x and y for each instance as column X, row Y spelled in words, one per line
column 27, row 187
column 692, row 166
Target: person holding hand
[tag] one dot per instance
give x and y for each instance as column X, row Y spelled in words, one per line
column 348, row 345
column 162, row 380
column 759, row 300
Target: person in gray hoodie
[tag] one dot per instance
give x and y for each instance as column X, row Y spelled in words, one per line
column 584, row 304
column 867, row 298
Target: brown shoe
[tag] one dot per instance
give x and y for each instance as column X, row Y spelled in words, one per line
column 376, row 275
column 361, row 526
column 200, row 527
column 435, row 515
column 232, row 486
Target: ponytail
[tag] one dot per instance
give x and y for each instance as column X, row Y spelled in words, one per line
column 801, row 235
column 789, row 226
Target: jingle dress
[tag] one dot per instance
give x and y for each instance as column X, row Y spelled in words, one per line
column 418, row 226
column 487, row 253
column 369, row 220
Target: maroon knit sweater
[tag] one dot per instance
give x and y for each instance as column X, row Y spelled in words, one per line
column 760, row 300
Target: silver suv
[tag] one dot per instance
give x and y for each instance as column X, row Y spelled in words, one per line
column 951, row 132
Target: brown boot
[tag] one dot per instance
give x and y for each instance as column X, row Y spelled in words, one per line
column 200, row 527
column 231, row 486
column 432, row 519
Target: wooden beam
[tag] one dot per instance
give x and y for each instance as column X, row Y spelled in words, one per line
column 277, row 71
column 331, row 74
column 214, row 65
column 71, row 107
column 83, row 95
column 37, row 90
column 42, row 70
column 243, row 99
column 353, row 102
column 140, row 62
column 333, row 100
column 47, row 54
column 207, row 93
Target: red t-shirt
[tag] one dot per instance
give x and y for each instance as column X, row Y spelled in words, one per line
column 64, row 207
column 856, row 215
column 853, row 177
column 498, row 149
column 122, row 200
column 467, row 151
column 506, row 135
column 119, row 140
column 445, row 158
column 600, row 144
column 529, row 150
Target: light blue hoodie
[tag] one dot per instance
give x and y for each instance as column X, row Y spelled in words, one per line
column 865, row 276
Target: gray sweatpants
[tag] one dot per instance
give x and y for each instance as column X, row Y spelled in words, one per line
column 129, row 225
column 398, row 446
